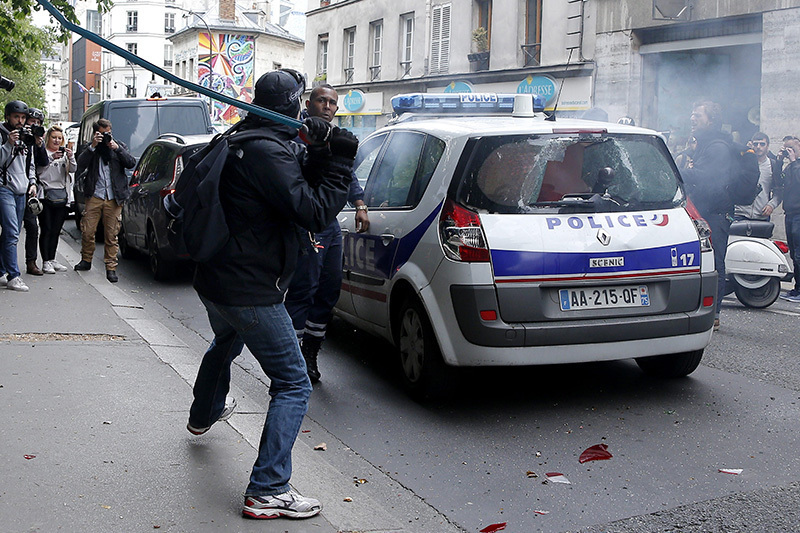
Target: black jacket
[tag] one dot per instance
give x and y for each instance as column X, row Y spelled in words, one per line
column 791, row 188
column 707, row 181
column 120, row 160
column 267, row 195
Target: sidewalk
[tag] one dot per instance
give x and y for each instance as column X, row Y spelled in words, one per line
column 94, row 398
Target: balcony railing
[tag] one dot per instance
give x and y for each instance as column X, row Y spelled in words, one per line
column 532, row 54
column 405, row 67
column 348, row 75
column 375, row 72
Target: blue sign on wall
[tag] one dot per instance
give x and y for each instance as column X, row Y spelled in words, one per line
column 459, row 87
column 353, row 100
column 544, row 86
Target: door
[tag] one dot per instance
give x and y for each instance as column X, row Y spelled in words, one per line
column 397, row 181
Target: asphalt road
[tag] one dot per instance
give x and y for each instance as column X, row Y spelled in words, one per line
column 481, row 456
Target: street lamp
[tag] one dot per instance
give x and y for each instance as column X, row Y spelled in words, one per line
column 131, row 88
column 186, row 14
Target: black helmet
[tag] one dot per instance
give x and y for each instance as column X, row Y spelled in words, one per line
column 16, row 106
column 35, row 113
column 281, row 91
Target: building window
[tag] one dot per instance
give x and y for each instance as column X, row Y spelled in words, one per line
column 132, row 48
column 440, row 40
column 349, row 53
column 322, row 55
column 133, row 21
column 94, row 22
column 533, row 32
column 406, row 42
column 130, row 86
column 169, row 22
column 168, row 55
column 192, row 74
column 376, row 44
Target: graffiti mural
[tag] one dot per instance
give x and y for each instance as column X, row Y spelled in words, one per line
column 226, row 66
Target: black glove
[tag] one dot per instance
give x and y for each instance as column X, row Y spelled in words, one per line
column 315, row 131
column 343, row 143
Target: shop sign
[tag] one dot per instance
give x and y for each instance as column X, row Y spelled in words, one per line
column 459, row 86
column 544, row 86
column 354, row 100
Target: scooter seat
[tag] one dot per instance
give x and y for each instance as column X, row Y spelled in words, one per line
column 752, row 228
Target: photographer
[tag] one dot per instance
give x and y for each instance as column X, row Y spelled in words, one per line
column 791, row 206
column 18, row 180
column 53, row 179
column 106, row 189
column 34, row 138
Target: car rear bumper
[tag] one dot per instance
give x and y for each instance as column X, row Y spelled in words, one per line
column 470, row 300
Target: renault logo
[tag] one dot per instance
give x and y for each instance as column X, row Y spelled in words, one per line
column 603, row 237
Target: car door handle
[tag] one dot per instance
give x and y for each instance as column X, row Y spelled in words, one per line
column 387, row 238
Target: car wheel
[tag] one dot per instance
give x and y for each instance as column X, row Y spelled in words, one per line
column 670, row 365
column 125, row 249
column 760, row 297
column 423, row 370
column 161, row 268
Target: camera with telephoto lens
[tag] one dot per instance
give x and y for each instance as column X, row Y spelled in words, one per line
column 107, row 138
column 6, row 83
column 28, row 134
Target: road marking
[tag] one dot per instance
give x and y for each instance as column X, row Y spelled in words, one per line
column 782, row 312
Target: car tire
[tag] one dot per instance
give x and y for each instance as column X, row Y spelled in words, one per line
column 761, row 297
column 159, row 267
column 422, row 369
column 670, row 365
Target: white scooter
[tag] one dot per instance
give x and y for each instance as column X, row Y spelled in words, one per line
column 755, row 265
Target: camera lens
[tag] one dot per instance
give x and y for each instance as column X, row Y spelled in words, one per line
column 6, row 83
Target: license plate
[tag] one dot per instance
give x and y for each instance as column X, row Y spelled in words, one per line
column 604, row 297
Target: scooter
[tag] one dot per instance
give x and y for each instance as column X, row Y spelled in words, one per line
column 754, row 264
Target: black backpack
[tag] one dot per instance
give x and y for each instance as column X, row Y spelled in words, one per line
column 743, row 186
column 196, row 225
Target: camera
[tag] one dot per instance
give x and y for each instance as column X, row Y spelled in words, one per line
column 783, row 153
column 107, row 138
column 6, row 83
column 28, row 134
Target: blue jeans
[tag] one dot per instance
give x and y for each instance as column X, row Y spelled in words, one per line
column 793, row 240
column 316, row 282
column 12, row 209
column 267, row 332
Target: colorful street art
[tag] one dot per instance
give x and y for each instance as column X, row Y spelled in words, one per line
column 226, row 66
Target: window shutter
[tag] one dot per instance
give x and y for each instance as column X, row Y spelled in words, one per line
column 436, row 36
column 444, row 57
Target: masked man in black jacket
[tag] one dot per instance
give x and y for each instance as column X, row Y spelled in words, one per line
column 707, row 181
column 273, row 191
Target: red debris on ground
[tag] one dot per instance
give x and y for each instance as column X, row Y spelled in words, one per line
column 494, row 527
column 598, row 452
column 29, row 456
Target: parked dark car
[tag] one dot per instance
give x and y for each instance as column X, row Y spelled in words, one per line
column 144, row 225
column 139, row 121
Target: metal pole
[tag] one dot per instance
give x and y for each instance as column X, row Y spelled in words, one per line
column 257, row 110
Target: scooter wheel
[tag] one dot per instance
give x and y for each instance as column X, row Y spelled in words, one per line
column 761, row 297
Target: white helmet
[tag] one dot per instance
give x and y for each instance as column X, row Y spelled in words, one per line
column 35, row 206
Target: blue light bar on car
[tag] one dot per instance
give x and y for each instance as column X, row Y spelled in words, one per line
column 459, row 103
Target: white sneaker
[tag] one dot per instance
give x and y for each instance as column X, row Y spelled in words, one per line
column 58, row 266
column 17, row 284
column 290, row 504
column 48, row 267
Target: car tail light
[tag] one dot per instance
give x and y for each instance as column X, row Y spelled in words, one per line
column 462, row 234
column 702, row 227
column 176, row 172
column 782, row 246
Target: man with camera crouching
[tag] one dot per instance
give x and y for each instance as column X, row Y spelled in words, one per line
column 105, row 187
column 34, row 138
column 18, row 183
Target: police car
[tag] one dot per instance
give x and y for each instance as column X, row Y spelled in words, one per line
column 499, row 237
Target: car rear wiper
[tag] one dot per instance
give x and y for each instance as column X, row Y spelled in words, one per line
column 582, row 201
